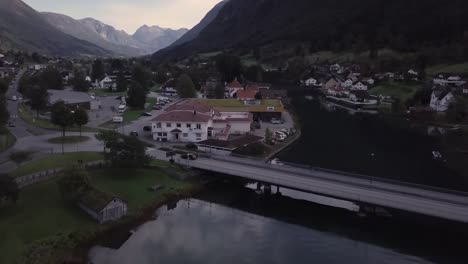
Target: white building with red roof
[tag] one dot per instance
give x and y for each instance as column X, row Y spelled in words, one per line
column 193, row 121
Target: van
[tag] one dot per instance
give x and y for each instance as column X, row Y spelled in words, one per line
column 117, row 119
column 122, row 108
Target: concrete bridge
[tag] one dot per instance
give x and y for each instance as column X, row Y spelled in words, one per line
column 435, row 202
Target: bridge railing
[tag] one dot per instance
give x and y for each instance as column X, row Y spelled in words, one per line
column 288, row 166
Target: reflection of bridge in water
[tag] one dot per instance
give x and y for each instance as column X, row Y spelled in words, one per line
column 430, row 201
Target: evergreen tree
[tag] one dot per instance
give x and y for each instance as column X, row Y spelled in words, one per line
column 185, row 87
column 136, row 96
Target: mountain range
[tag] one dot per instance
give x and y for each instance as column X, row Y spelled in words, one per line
column 402, row 25
column 21, row 27
column 146, row 40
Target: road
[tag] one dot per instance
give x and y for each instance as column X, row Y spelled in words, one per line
column 403, row 196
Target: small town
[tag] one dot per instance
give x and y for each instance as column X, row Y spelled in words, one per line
column 233, row 131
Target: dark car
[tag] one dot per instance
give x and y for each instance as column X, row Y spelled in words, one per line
column 11, row 124
column 147, row 128
column 134, row 134
column 157, row 107
column 189, row 156
column 146, row 114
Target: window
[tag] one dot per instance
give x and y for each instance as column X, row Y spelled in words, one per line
column 160, row 134
column 198, row 126
column 169, row 125
column 158, row 125
column 189, row 125
column 185, row 135
column 198, row 135
column 164, row 134
column 179, row 125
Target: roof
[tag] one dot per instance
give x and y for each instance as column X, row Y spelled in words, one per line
column 183, row 116
column 235, row 84
column 190, row 105
column 230, row 144
column 247, row 94
column 96, row 200
column 69, row 97
column 233, row 105
column 252, row 87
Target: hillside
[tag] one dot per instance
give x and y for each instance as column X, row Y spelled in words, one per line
column 402, row 25
column 24, row 28
column 156, row 38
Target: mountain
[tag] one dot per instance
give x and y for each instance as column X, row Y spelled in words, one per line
column 403, row 25
column 96, row 32
column 157, row 38
column 146, row 40
column 195, row 31
column 24, row 28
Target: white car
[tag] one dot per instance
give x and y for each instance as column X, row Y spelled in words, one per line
column 117, row 119
column 275, row 121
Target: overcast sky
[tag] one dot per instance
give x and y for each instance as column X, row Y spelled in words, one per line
column 131, row 14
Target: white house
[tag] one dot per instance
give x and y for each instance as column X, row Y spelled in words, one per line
column 359, row 86
column 441, row 100
column 335, row 67
column 348, row 83
column 413, row 72
column 311, row 82
column 2, row 56
column 102, row 207
column 370, row 81
column 450, row 81
column 193, row 121
column 106, row 83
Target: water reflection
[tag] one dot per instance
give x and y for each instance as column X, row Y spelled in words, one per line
column 202, row 232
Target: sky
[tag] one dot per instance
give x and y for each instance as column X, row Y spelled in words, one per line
column 129, row 15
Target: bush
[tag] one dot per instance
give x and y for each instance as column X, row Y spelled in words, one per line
column 191, row 146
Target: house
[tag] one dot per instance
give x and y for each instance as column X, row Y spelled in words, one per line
column 369, row 81
column 194, row 121
column 441, row 100
column 311, row 82
column 455, row 81
column 102, row 207
column 359, row 86
column 413, row 72
column 226, row 147
column 74, row 99
column 106, row 83
column 348, row 83
column 233, row 87
column 335, row 67
column 359, row 96
column 337, row 91
column 2, row 56
column 246, row 95
column 330, row 84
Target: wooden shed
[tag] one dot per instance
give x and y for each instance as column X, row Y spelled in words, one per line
column 103, row 207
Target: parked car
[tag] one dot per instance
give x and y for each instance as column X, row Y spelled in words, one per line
column 146, row 114
column 147, row 128
column 157, row 107
column 256, row 125
column 11, row 124
column 275, row 121
column 189, row 156
column 134, row 134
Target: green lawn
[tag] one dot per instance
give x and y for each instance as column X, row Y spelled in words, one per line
column 132, row 115
column 28, row 117
column 41, row 213
column 56, row 161
column 399, row 90
column 68, row 140
column 461, row 68
column 6, row 139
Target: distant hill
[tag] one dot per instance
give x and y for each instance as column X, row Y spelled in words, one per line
column 195, row 31
column 403, row 25
column 24, row 28
column 145, row 41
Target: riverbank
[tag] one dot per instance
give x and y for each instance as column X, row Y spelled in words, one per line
column 42, row 228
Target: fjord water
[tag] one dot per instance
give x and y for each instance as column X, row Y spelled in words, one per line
column 236, row 225
column 375, row 145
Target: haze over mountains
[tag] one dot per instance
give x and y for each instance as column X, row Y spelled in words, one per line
column 146, row 40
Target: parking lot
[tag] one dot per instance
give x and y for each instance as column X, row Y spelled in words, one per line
column 287, row 123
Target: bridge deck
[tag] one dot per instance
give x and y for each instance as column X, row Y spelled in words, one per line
column 425, row 200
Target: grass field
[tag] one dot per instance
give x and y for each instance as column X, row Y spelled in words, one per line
column 41, row 212
column 460, row 68
column 56, row 161
column 6, row 139
column 68, row 140
column 31, row 119
column 399, row 90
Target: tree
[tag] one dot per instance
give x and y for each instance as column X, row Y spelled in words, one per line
column 9, row 191
column 97, row 72
column 142, row 76
column 3, row 86
column 185, row 87
column 4, row 115
column 121, row 82
column 51, row 79
column 229, row 66
column 38, row 97
column 81, row 118
column 62, row 116
column 123, row 151
column 136, row 96
column 74, row 183
column 80, row 83
column 268, row 136
column 19, row 157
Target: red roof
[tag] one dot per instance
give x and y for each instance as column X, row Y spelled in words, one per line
column 235, row 84
column 246, row 94
column 183, row 116
column 252, row 87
